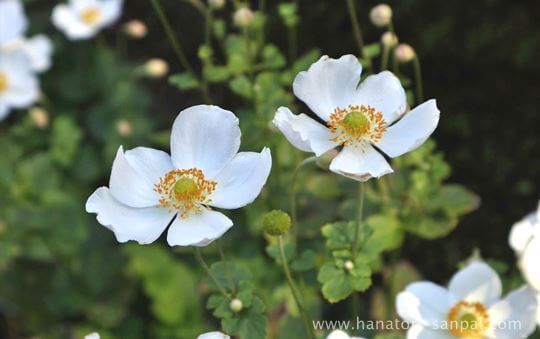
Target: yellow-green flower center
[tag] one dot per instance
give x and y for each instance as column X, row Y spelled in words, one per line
column 356, row 125
column 356, row 121
column 468, row 320
column 186, row 188
column 3, row 82
column 90, row 15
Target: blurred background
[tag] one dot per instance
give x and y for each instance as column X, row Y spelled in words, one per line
column 480, row 60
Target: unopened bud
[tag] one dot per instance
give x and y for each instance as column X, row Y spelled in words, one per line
column 135, row 29
column 404, row 53
column 216, row 4
column 276, row 222
column 349, row 265
column 124, row 128
column 381, row 15
column 389, row 39
column 40, row 117
column 236, row 305
column 243, row 17
column 156, row 68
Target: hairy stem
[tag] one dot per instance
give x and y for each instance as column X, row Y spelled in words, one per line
column 360, row 212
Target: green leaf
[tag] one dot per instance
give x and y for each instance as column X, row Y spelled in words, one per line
column 339, row 235
column 387, row 234
column 66, row 137
column 184, row 81
column 456, row 199
column 372, row 50
column 305, row 262
column 235, row 272
column 241, row 86
column 272, row 57
column 338, row 283
column 216, row 73
column 273, row 251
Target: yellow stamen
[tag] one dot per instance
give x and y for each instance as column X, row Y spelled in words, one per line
column 3, row 82
column 468, row 320
column 356, row 125
column 184, row 191
column 90, row 15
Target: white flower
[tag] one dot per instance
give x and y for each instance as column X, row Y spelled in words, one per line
column 19, row 87
column 338, row 334
column 148, row 188
column 471, row 307
column 13, row 24
column 82, row 19
column 93, row 335
column 357, row 117
column 381, row 15
column 213, row 335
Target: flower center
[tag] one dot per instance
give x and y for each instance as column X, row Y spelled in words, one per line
column 90, row 15
column 3, row 82
column 184, row 191
column 468, row 320
column 356, row 125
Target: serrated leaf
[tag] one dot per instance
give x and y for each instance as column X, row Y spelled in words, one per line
column 241, row 86
column 184, row 81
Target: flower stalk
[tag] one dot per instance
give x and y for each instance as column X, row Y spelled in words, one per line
column 206, row 268
column 418, row 79
column 360, row 212
column 356, row 27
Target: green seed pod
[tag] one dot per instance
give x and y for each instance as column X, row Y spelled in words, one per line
column 276, row 222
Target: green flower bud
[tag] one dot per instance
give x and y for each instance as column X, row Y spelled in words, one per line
column 236, row 305
column 276, row 222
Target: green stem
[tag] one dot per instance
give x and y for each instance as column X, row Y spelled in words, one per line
column 177, row 47
column 293, row 191
column 356, row 28
column 290, row 281
column 226, row 267
column 204, row 265
column 251, row 70
column 361, row 191
column 418, row 79
column 385, row 55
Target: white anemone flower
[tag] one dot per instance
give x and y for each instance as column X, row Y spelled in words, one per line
column 471, row 307
column 19, row 86
column 148, row 188
column 13, row 25
column 82, row 19
column 93, row 335
column 339, row 334
column 213, row 335
column 356, row 117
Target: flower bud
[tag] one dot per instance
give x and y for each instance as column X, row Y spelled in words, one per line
column 236, row 305
column 135, row 29
column 389, row 39
column 349, row 265
column 40, row 117
column 276, row 222
column 216, row 4
column 124, row 128
column 381, row 15
column 156, row 68
column 404, row 53
column 243, row 17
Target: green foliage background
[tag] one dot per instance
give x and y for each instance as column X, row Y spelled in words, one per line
column 64, row 275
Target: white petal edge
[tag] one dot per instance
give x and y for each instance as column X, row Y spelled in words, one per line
column 205, row 137
column 135, row 173
column 213, row 335
column 39, row 49
column 66, row 20
column 111, row 10
column 143, row 225
column 424, row 303
column 515, row 315
column 529, row 263
column 242, row 180
column 384, row 92
column 13, row 21
column 411, row 131
column 476, row 283
column 339, row 334
column 420, row 332
column 303, row 132
column 328, row 84
column 522, row 233
column 198, row 229
column 360, row 165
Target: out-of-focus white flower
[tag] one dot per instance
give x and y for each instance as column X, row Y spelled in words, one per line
column 124, row 127
column 338, row 334
column 356, row 117
column 243, row 17
column 217, row 4
column 82, row 19
column 381, row 15
column 213, row 335
column 389, row 39
column 471, row 307
column 40, row 117
column 156, row 68
column 404, row 53
column 19, row 86
column 13, row 24
column 93, row 335
column 149, row 189
column 136, row 29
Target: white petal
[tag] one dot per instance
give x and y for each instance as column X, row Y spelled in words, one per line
column 94, row 335
column 198, row 229
column 39, row 50
column 242, row 180
column 135, row 173
column 68, row 21
column 213, row 335
column 522, row 233
column 383, row 91
column 110, row 11
column 143, row 225
column 13, row 22
column 515, row 315
column 424, row 303
column 411, row 131
column 476, row 283
column 328, row 84
column 23, row 85
column 303, row 132
column 420, row 332
column 205, row 137
column 4, row 111
column 361, row 165
column 529, row 263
